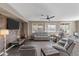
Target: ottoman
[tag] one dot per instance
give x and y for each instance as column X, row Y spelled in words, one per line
column 47, row 51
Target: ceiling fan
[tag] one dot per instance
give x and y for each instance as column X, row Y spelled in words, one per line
column 47, row 17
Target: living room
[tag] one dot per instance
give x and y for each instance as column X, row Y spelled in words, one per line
column 38, row 29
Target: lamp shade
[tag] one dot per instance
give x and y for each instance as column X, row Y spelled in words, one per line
column 4, row 32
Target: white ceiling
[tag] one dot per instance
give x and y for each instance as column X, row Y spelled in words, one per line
column 61, row 11
column 7, row 10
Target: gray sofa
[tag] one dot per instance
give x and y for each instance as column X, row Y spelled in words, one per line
column 65, row 46
column 40, row 36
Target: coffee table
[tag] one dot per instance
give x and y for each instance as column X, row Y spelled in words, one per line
column 49, row 51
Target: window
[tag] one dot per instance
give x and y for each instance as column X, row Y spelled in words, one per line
column 34, row 28
column 51, row 28
column 37, row 27
column 65, row 28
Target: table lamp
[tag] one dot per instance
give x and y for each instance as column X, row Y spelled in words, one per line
column 4, row 33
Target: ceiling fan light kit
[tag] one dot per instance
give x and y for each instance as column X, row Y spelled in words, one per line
column 47, row 16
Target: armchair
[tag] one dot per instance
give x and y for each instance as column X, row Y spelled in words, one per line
column 65, row 46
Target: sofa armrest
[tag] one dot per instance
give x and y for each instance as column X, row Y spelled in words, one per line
column 21, row 41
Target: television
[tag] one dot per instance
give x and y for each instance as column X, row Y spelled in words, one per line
column 12, row 24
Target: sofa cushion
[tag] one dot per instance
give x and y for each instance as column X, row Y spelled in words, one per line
column 61, row 43
column 68, row 43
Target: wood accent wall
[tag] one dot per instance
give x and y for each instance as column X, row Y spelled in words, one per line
column 3, row 21
column 12, row 33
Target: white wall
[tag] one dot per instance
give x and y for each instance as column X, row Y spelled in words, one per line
column 77, row 26
column 72, row 27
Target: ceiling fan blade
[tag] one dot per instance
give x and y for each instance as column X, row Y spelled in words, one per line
column 42, row 15
column 52, row 16
column 47, row 17
column 43, row 18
